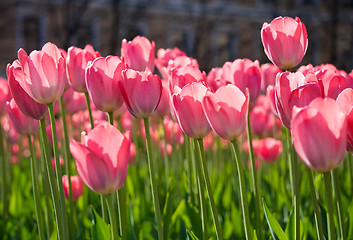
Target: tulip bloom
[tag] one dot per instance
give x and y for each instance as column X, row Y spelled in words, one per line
column 215, row 79
column 179, row 77
column 244, row 74
column 42, row 73
column 319, row 134
column 138, row 53
column 268, row 73
column 23, row 124
column 345, row 101
column 334, row 82
column 76, row 184
column 102, row 158
column 226, row 111
column 293, row 89
column 285, row 41
column 5, row 94
column 141, row 91
column 268, row 149
column 164, row 56
column 76, row 63
column 102, row 80
column 187, row 104
column 28, row 106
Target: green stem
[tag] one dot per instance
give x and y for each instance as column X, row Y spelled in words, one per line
column 295, row 185
column 243, row 196
column 67, row 158
column 111, row 209
column 3, row 173
column 209, row 190
column 189, row 159
column 153, row 181
column 35, row 184
column 350, row 166
column 120, row 197
column 254, row 179
column 201, row 187
column 337, row 194
column 330, row 219
column 319, row 231
column 53, row 185
column 58, row 171
column 89, row 110
column 122, row 212
column 165, row 157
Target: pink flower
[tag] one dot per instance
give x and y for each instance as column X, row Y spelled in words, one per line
column 268, row 149
column 319, row 134
column 102, row 158
column 77, row 186
column 285, row 41
column 345, row 101
column 179, row 77
column 102, row 79
column 268, row 73
column 138, row 53
column 23, row 124
column 141, row 91
column 187, row 104
column 164, row 56
column 76, row 63
column 5, row 94
column 293, row 89
column 28, row 106
column 333, row 82
column 42, row 73
column 244, row 74
column 163, row 108
column 226, row 111
column 215, row 79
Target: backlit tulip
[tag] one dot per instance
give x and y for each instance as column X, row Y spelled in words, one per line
column 76, row 63
column 215, row 79
column 334, row 82
column 268, row 149
column 5, row 94
column 28, row 106
column 77, row 186
column 179, row 77
column 139, row 53
column 164, row 56
column 226, row 111
column 23, row 124
column 42, row 73
column 285, row 41
column 319, row 134
column 102, row 79
column 187, row 104
column 102, row 158
column 244, row 74
column 293, row 89
column 268, row 73
column 345, row 101
column 141, row 91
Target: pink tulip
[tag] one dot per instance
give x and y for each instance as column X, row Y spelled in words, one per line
column 102, row 80
column 319, row 134
column 187, row 104
column 285, row 41
column 42, row 73
column 163, row 108
column 76, row 63
column 77, row 186
column 345, row 101
column 333, row 82
column 269, row 72
column 173, row 132
column 74, row 101
column 268, row 149
column 102, row 158
column 306, row 69
column 164, row 56
column 23, row 124
column 215, row 79
column 66, row 77
column 5, row 94
column 28, row 106
column 138, row 53
column 244, row 74
column 226, row 111
column 179, row 77
column 293, row 89
column 141, row 91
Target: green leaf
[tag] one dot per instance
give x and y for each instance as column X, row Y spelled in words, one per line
column 191, row 235
column 290, row 225
column 274, row 226
column 100, row 230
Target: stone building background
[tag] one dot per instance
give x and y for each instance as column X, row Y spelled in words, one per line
column 212, row 31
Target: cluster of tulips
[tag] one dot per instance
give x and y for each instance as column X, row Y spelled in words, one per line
column 85, row 98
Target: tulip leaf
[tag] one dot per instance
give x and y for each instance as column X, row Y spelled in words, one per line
column 100, row 229
column 274, row 226
column 191, row 235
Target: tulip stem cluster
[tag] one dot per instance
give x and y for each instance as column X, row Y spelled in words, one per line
column 214, row 211
column 111, row 209
column 254, row 179
column 35, row 185
column 155, row 197
column 243, row 196
column 318, row 223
